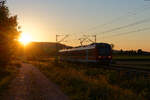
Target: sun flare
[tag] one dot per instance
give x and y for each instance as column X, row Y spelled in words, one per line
column 25, row 38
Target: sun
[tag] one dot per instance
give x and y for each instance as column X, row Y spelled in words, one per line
column 25, row 38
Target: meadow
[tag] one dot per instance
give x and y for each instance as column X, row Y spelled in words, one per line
column 83, row 82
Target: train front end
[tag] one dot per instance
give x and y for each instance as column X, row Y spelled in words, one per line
column 104, row 53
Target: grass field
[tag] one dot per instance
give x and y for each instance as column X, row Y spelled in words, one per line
column 80, row 82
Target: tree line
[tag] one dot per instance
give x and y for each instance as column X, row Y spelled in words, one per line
column 8, row 34
column 131, row 52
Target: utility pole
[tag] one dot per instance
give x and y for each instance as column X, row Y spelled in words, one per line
column 57, row 42
column 95, row 38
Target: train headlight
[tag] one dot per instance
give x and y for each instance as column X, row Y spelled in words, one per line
column 109, row 57
column 99, row 56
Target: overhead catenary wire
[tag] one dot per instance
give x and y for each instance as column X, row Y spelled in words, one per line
column 129, row 32
column 126, row 26
column 129, row 14
column 135, row 13
column 121, row 17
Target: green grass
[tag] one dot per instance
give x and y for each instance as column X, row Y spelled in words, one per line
column 80, row 82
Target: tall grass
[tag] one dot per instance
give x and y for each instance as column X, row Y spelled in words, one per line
column 84, row 83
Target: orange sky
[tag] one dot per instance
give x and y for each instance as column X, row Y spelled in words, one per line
column 42, row 20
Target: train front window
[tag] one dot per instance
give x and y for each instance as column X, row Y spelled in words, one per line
column 104, row 50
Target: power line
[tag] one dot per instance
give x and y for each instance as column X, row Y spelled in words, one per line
column 117, row 28
column 126, row 26
column 130, row 32
column 119, row 18
column 87, row 38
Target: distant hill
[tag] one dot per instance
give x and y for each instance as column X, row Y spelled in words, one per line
column 38, row 49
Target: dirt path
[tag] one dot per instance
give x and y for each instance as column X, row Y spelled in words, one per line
column 31, row 84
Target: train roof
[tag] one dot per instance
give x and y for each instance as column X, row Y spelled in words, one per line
column 91, row 46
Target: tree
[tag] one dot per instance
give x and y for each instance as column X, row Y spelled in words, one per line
column 8, row 34
column 139, row 51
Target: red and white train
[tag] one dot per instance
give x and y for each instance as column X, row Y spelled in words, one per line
column 96, row 52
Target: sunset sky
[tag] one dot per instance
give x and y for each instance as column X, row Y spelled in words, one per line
column 121, row 22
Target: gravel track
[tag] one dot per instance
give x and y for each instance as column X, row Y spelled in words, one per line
column 31, row 84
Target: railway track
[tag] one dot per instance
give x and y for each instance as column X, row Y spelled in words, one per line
column 120, row 67
column 129, row 68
